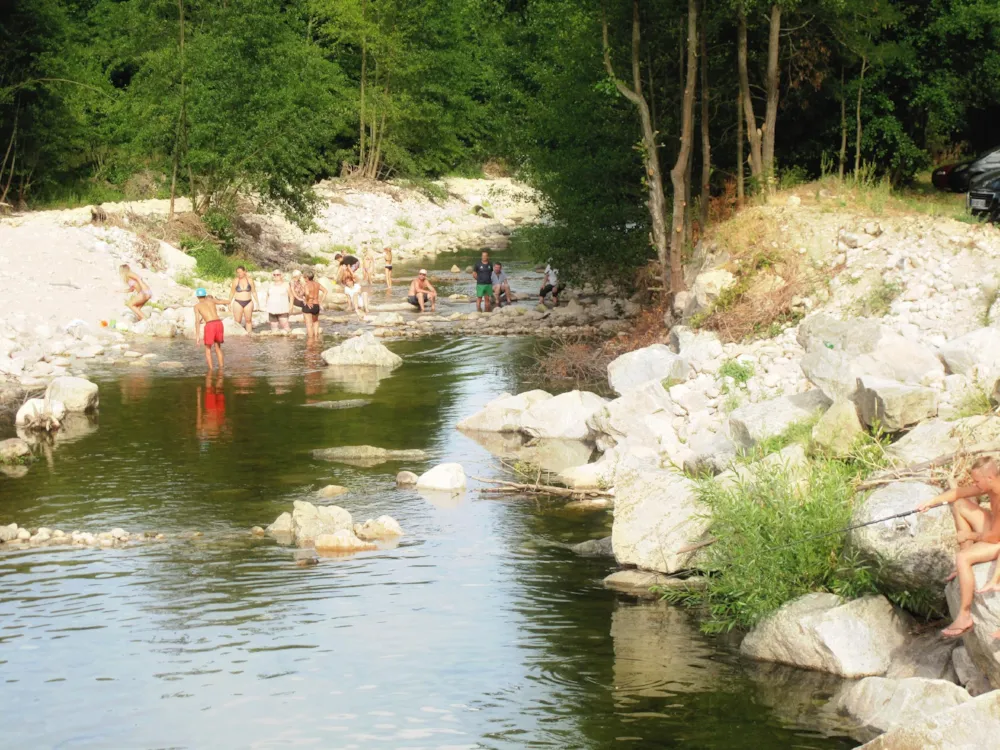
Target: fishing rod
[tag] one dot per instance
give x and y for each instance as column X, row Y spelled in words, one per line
column 904, row 514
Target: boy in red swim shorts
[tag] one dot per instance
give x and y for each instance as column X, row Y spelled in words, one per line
column 206, row 311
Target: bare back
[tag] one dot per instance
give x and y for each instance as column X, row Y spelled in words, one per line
column 206, row 310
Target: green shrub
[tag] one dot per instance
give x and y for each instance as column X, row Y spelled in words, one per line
column 220, row 224
column 792, row 177
column 741, row 372
column 778, row 537
column 212, row 263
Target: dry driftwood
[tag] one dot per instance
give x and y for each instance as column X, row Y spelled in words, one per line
column 538, row 489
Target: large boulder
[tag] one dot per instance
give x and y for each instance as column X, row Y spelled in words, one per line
column 832, row 372
column 656, row 362
column 972, row 725
column 593, row 476
column 706, row 289
column 564, row 416
column 700, row 349
column 976, row 354
column 76, row 394
column 753, row 423
column 362, row 351
column 855, row 336
column 503, row 414
column 312, row 521
column 383, row 527
column 925, row 442
column 913, row 552
column 979, row 642
column 341, row 541
column 656, row 516
column 892, row 405
column 838, row 429
column 443, row 478
column 825, row 632
column 594, row 548
column 630, row 415
column 879, row 704
column 928, row 656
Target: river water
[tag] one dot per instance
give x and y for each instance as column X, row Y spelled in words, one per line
column 480, row 630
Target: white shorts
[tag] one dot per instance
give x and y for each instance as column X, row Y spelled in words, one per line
column 352, row 290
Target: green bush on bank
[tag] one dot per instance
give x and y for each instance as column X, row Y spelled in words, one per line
column 775, row 541
column 212, row 263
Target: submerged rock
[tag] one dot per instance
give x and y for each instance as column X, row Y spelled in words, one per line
column 443, row 478
column 367, row 455
column 880, row 704
column 332, row 490
column 857, row 638
column 594, row 548
column 310, row 521
column 14, row 450
column 40, row 412
column 347, row 403
column 641, row 582
column 341, row 541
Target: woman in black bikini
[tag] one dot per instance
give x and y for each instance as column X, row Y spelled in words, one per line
column 243, row 298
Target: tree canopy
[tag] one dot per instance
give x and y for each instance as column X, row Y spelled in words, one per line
column 215, row 98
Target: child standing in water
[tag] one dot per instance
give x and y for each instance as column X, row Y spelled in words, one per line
column 388, row 267
column 206, row 312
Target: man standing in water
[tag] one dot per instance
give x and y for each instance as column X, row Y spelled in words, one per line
column 206, row 311
column 483, row 273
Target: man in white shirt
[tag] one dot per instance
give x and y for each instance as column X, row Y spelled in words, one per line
column 550, row 284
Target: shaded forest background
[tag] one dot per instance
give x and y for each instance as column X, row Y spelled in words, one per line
column 110, row 99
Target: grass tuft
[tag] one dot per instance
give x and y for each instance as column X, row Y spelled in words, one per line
column 878, row 301
column 741, row 372
column 975, row 402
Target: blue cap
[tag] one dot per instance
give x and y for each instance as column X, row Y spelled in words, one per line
column 200, row 292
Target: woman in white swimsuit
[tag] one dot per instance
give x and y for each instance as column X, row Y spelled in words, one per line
column 278, row 301
column 137, row 288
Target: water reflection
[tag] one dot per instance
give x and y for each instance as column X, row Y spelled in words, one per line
column 211, row 424
column 354, row 379
column 550, row 455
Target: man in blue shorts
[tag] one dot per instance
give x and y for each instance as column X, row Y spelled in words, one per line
column 483, row 273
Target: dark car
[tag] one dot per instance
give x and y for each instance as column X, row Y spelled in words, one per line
column 941, row 177
column 964, row 174
column 984, row 196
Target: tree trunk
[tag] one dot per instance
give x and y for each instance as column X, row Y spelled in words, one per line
column 771, row 113
column 740, row 166
column 364, row 67
column 843, row 125
column 654, row 177
column 677, row 174
column 753, row 134
column 857, row 141
column 706, row 143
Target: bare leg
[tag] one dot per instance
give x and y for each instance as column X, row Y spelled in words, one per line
column 218, row 353
column 283, row 319
column 979, row 552
column 388, row 278
column 248, row 317
column 208, row 357
column 968, row 516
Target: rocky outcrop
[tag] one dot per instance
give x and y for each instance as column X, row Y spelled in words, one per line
column 362, row 351
column 756, row 422
column 832, row 372
column 892, row 405
column 972, row 725
column 443, row 478
column 76, row 394
column 312, row 521
column 879, row 704
column 982, row 647
column 564, row 416
column 706, row 289
column 825, row 632
column 504, row 413
column 928, row 656
column 838, row 429
column 656, row 362
column 976, row 354
column 597, row 475
column 646, row 413
column 914, row 552
column 656, row 516
column 700, row 349
column 594, row 548
column 367, row 455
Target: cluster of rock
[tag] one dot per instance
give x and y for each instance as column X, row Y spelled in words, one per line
column 13, row 536
column 330, row 528
column 31, row 356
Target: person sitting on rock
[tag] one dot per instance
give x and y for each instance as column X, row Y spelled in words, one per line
column 206, row 311
column 550, row 284
column 421, row 292
column 501, row 286
column 978, row 534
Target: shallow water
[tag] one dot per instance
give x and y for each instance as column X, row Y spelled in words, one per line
column 478, row 631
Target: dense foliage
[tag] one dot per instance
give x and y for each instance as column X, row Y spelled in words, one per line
column 107, row 98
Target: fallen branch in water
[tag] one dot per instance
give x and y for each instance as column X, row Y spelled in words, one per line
column 539, row 489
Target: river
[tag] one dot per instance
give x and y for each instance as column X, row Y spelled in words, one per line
column 480, row 630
